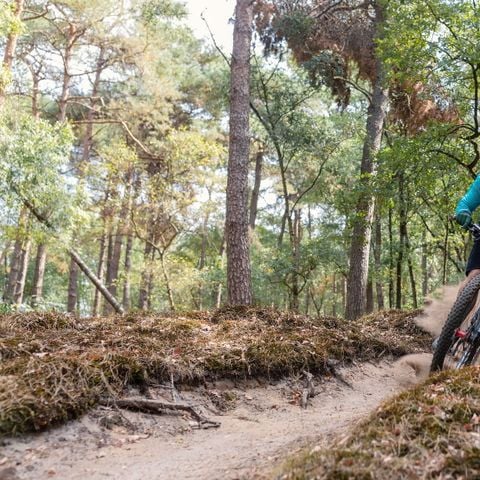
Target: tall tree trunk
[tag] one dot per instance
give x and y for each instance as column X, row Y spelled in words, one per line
column 256, row 189
column 297, row 234
column 9, row 52
column 16, row 257
column 166, row 278
column 237, row 239
column 370, row 302
column 362, row 225
column 378, row 262
column 218, row 298
column 39, row 273
column 445, row 253
column 62, row 116
column 102, row 254
column 22, row 274
column 127, row 269
column 334, row 295
column 146, row 277
column 424, row 265
column 403, row 241
column 113, row 266
column 72, row 286
column 411, row 273
column 390, row 260
column 88, row 137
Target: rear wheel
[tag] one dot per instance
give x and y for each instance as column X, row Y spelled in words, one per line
column 450, row 346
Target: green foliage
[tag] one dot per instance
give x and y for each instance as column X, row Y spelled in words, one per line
column 32, row 156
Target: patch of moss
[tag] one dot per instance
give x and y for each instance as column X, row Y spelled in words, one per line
column 429, row 432
column 81, row 359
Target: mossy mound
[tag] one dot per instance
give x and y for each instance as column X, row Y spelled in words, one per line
column 429, row 432
column 56, row 366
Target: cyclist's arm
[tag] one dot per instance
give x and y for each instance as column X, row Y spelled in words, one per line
column 471, row 200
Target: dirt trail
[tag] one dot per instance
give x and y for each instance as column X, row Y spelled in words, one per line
column 266, row 424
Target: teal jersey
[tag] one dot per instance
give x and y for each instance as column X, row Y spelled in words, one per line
column 471, row 200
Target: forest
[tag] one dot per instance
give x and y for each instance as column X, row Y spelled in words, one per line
column 258, row 243
column 114, row 143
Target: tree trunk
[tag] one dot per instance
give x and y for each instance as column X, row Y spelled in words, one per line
column 145, row 281
column 16, row 258
column 22, row 274
column 411, row 273
column 362, row 225
column 377, row 252
column 256, row 189
column 39, row 273
column 168, row 285
column 390, row 261
column 9, row 51
column 334, row 295
column 236, row 223
column 72, row 37
column 113, row 267
column 370, row 303
column 72, row 286
column 97, row 300
column 96, row 281
column 297, row 237
column 127, row 268
column 424, row 265
column 445, row 253
column 403, row 241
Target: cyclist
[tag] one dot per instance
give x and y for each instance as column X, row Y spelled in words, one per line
column 463, row 215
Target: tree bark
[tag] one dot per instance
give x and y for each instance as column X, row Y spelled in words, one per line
column 256, row 189
column 97, row 300
column 9, row 52
column 127, row 269
column 236, row 223
column 96, row 281
column 168, row 285
column 413, row 284
column 39, row 273
column 146, row 278
column 362, row 226
column 370, row 302
column 17, row 257
column 424, row 265
column 297, row 238
column 403, row 241
column 377, row 252
column 72, row 286
column 390, row 261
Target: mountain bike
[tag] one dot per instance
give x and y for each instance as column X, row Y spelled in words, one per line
column 459, row 342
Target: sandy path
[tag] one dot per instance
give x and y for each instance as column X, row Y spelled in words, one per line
column 257, row 433
column 260, row 431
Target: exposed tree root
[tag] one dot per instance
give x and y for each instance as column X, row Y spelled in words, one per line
column 158, row 407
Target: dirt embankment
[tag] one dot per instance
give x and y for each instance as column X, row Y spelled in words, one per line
column 262, row 421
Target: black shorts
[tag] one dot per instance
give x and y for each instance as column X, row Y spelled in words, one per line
column 474, row 258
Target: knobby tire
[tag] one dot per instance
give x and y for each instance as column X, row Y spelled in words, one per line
column 462, row 306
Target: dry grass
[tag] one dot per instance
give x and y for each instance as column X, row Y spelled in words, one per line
column 429, row 432
column 54, row 366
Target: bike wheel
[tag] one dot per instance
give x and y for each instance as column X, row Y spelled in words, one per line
column 462, row 306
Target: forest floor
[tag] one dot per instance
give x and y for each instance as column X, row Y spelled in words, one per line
column 262, row 423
